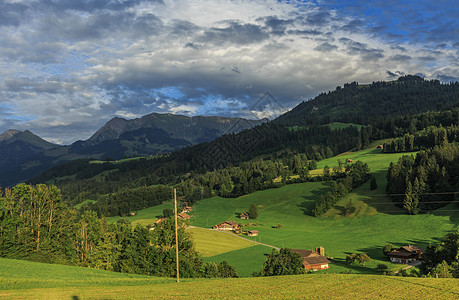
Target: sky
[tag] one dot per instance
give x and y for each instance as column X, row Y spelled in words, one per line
column 68, row 67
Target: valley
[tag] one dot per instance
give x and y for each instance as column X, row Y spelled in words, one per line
column 341, row 192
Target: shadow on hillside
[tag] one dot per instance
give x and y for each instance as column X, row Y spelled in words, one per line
column 378, row 199
column 307, row 205
column 450, row 211
column 355, row 267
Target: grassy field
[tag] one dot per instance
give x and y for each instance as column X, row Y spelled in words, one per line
column 28, row 280
column 145, row 216
column 375, row 222
column 211, row 242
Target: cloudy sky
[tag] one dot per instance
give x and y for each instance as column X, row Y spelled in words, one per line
column 67, row 67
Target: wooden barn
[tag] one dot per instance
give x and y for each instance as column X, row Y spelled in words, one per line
column 252, row 233
column 313, row 260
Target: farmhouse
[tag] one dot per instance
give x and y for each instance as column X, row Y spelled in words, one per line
column 405, row 254
column 252, row 233
column 187, row 209
column 227, row 225
column 183, row 216
column 313, row 260
column 380, row 147
column 244, row 216
column 349, row 160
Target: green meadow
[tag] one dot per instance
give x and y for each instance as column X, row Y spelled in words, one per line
column 29, row 280
column 375, row 222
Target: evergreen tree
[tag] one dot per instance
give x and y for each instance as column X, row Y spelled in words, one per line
column 373, row 183
column 253, row 212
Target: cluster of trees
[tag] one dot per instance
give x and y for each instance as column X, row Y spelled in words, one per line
column 36, row 225
column 123, row 202
column 426, row 182
column 361, row 258
column 352, row 176
column 282, row 262
column 424, row 139
column 442, row 260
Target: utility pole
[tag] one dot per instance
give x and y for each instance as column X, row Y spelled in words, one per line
column 176, row 235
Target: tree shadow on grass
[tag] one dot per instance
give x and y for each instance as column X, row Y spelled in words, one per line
column 355, row 267
column 378, row 199
column 307, row 205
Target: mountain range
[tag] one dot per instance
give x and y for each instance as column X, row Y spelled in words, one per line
column 24, row 155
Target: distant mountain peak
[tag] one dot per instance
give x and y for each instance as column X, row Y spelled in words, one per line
column 9, row 134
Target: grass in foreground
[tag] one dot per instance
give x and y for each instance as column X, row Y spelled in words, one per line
column 43, row 281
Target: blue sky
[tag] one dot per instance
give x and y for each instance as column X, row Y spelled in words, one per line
column 67, row 67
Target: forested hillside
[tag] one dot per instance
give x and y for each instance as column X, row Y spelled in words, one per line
column 363, row 104
column 276, row 144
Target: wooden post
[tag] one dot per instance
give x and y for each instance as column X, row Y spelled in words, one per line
column 176, row 235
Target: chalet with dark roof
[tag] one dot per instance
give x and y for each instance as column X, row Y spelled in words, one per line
column 312, row 260
column 227, row 226
column 405, row 254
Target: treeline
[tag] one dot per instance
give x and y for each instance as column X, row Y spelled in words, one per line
column 229, row 182
column 36, row 225
column 425, row 182
column 442, row 260
column 363, row 104
column 423, row 139
column 124, row 202
column 352, row 176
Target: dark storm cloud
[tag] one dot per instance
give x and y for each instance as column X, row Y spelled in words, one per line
column 276, row 26
column 90, row 5
column 182, row 28
column 318, row 19
column 401, row 57
column 362, row 49
column 393, row 75
column 447, row 79
column 305, row 32
column 11, row 14
column 191, row 45
column 235, row 32
column 326, row 47
column 427, row 58
column 354, row 26
column 79, row 27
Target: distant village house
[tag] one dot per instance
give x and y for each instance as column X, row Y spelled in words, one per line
column 244, row 216
column 187, row 209
column 252, row 233
column 405, row 254
column 183, row 216
column 227, row 226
